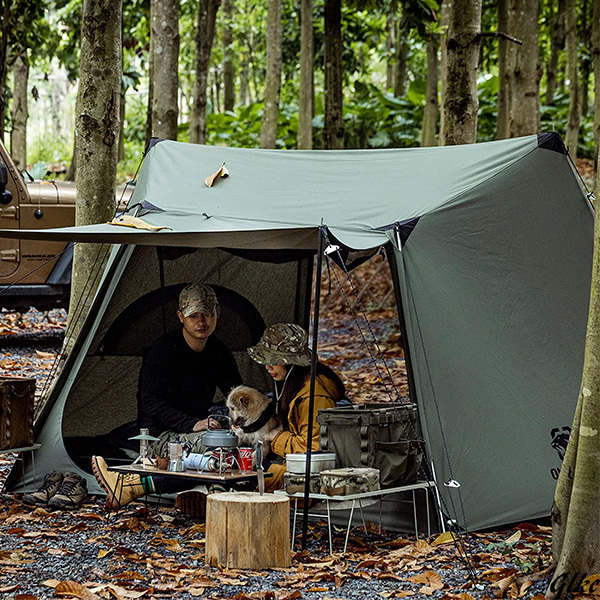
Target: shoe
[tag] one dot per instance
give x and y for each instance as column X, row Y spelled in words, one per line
column 192, row 503
column 129, row 486
column 71, row 493
column 50, row 486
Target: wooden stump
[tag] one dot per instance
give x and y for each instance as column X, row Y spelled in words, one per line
column 245, row 530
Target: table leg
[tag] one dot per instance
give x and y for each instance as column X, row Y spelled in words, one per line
column 294, row 525
column 22, row 468
column 349, row 525
column 380, row 507
column 362, row 516
column 415, row 515
column 329, row 528
column 33, row 469
column 427, row 508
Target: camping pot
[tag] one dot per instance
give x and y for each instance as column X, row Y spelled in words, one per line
column 219, row 438
column 319, row 461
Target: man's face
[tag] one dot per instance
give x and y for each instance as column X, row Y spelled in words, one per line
column 198, row 325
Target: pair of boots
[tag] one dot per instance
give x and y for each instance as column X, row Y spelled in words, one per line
column 59, row 490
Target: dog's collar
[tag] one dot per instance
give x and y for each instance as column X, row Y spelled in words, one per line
column 262, row 420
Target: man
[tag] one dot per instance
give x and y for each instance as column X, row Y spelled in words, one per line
column 177, row 384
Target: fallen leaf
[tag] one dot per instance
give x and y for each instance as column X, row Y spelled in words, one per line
column 45, row 354
column 444, row 538
column 72, row 588
column 429, row 578
column 103, row 553
column 427, row 590
column 514, row 538
column 26, row 597
column 9, row 588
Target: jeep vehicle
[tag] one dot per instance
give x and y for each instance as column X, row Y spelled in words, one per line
column 30, row 272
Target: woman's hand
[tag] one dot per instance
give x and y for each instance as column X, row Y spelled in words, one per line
column 205, row 424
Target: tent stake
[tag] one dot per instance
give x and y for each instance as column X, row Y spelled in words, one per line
column 311, row 399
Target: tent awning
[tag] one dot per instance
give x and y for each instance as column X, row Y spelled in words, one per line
column 279, row 198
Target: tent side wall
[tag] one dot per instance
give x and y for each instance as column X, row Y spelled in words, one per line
column 496, row 291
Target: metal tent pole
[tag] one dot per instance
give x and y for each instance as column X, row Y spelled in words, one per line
column 313, row 375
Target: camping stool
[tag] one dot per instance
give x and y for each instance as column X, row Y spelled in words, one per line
column 350, row 501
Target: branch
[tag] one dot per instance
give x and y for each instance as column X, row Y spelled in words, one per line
column 504, row 36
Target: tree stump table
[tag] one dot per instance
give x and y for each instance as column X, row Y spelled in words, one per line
column 245, row 530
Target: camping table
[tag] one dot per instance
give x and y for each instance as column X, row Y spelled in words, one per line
column 31, row 449
column 227, row 478
column 350, row 501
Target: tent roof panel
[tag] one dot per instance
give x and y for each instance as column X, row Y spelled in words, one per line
column 355, row 193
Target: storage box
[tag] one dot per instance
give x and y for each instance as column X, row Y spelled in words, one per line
column 293, row 483
column 380, row 436
column 348, row 481
column 16, row 412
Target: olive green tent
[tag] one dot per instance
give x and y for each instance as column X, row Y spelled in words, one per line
column 491, row 248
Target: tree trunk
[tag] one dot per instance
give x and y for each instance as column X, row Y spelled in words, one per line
column 575, row 520
column 444, row 20
column 245, row 96
column 149, row 128
column 503, row 87
column 572, row 135
column 401, row 59
column 164, row 17
column 430, row 113
column 586, row 62
column 97, row 131
column 390, row 45
column 307, row 94
column 228, row 66
column 18, row 135
column 121, row 152
column 524, row 69
column 333, row 132
column 205, row 33
column 4, row 32
column 461, row 103
column 557, row 43
column 268, row 124
column 596, row 63
column 72, row 170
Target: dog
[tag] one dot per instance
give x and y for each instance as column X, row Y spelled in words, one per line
column 253, row 417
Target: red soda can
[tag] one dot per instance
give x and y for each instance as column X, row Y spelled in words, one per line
column 245, row 459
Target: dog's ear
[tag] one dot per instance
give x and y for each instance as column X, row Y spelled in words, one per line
column 245, row 401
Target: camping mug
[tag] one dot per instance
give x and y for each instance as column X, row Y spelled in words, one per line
column 245, row 459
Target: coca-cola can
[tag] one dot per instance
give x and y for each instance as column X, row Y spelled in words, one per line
column 245, row 459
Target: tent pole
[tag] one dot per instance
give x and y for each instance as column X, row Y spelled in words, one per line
column 393, row 264
column 311, row 398
column 161, row 272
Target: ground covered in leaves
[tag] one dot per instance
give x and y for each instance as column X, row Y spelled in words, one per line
column 89, row 554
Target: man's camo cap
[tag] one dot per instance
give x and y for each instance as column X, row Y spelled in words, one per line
column 282, row 344
column 197, row 297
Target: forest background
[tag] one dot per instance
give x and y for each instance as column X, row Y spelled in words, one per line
column 391, row 82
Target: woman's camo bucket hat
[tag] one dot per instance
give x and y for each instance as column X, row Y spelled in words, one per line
column 282, row 344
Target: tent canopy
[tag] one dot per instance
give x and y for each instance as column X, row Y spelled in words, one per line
column 278, row 199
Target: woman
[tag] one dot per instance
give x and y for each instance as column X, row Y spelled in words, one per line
column 283, row 350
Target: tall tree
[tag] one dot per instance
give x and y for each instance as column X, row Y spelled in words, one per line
column 333, row 131
column 596, row 63
column 461, row 103
column 18, row 134
column 390, row 45
column 572, row 136
column 307, row 93
column 444, row 20
column 268, row 125
column 205, row 33
column 4, row 33
column 503, row 87
column 575, row 520
column 97, row 131
column 401, row 66
column 557, row 43
column 164, row 31
column 430, row 114
column 228, row 54
column 523, row 68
